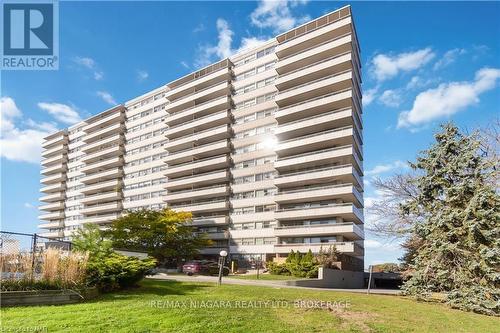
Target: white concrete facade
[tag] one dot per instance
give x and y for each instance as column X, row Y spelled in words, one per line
column 265, row 148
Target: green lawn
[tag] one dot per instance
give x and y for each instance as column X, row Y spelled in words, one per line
column 262, row 277
column 132, row 311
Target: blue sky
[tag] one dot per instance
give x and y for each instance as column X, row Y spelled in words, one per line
column 423, row 64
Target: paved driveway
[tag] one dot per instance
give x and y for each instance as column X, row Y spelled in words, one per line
column 265, row 283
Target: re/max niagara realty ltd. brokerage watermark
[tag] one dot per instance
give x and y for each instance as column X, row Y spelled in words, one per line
column 250, row 304
column 30, row 35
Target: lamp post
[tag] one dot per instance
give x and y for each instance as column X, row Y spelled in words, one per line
column 222, row 260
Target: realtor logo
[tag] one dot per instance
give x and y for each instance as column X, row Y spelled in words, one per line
column 30, row 35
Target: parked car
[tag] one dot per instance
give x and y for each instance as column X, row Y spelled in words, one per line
column 203, row 267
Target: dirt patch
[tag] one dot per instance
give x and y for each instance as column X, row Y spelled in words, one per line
column 353, row 318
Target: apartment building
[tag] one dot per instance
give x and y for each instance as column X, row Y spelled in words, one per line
column 265, row 148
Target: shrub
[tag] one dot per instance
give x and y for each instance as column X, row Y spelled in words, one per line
column 296, row 264
column 117, row 271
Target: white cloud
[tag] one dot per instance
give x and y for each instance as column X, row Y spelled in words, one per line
column 21, row 144
column 391, row 98
column 418, row 82
column 385, row 66
column 207, row 54
column 200, row 27
column 142, row 75
column 185, row 64
column 90, row 64
column 62, row 112
column 277, row 15
column 107, row 97
column 250, row 42
column 221, row 50
column 384, row 168
column 448, row 58
column 369, row 96
column 448, row 98
column 29, row 206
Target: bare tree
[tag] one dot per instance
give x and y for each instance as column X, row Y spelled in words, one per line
column 386, row 209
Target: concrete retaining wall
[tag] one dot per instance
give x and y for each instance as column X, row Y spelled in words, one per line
column 45, row 297
column 332, row 278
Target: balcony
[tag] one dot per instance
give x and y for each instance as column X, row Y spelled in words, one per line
column 100, row 208
column 116, row 139
column 103, row 154
column 54, row 151
column 60, row 138
column 59, row 167
column 102, row 176
column 316, row 53
column 52, row 234
column 101, row 218
column 321, row 140
column 198, row 125
column 337, row 155
column 213, row 250
column 197, row 166
column 104, row 186
column 349, row 230
column 198, row 110
column 110, row 119
column 51, row 216
column 203, row 179
column 345, row 192
column 214, row 235
column 198, row 138
column 336, row 82
column 315, row 71
column 58, row 159
column 347, row 211
column 59, row 177
column 324, row 28
column 344, row 247
column 204, row 151
column 201, row 96
column 197, row 193
column 223, row 74
column 103, row 165
column 53, row 197
column 206, row 206
column 52, row 206
column 343, row 173
column 57, row 187
column 102, row 197
column 210, row 220
column 103, row 133
column 51, row 225
column 339, row 100
column 264, row 248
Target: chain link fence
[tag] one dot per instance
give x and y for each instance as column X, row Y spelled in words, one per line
column 22, row 254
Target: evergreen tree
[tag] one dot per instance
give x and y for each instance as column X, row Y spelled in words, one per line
column 458, row 226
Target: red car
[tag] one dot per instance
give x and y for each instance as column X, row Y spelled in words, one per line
column 203, row 267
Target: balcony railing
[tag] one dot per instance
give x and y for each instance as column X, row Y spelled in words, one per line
column 315, row 46
column 314, row 152
column 316, row 134
column 195, row 106
column 313, row 64
column 314, row 81
column 310, row 170
column 314, row 188
column 314, row 207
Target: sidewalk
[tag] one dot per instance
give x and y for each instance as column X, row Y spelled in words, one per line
column 262, row 283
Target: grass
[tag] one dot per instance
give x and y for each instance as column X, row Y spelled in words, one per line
column 132, row 311
column 263, row 277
